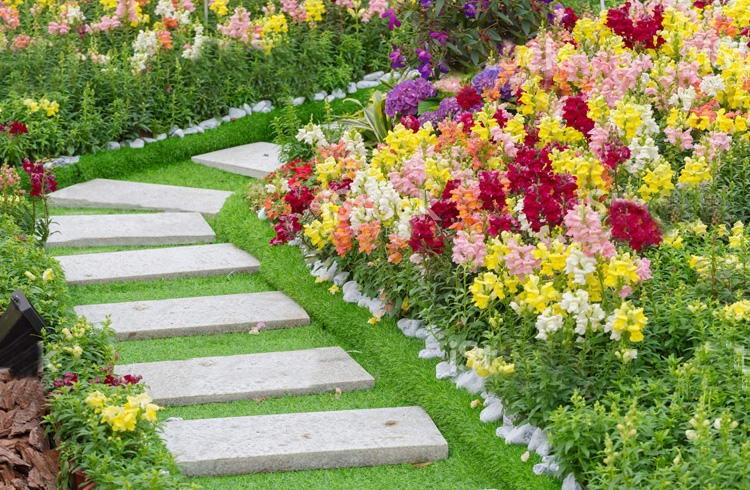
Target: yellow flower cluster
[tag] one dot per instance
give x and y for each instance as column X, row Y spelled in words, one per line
column 657, row 182
column 49, row 107
column 319, row 231
column 400, row 144
column 275, row 24
column 737, row 312
column 315, row 10
column 629, row 319
column 484, row 365
column 123, row 418
column 219, row 7
column 695, row 172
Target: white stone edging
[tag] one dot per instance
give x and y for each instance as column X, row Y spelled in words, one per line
column 264, row 106
column 534, row 438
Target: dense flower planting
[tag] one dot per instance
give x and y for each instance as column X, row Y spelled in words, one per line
column 77, row 74
column 566, row 219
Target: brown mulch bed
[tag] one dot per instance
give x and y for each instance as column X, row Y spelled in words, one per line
column 26, row 459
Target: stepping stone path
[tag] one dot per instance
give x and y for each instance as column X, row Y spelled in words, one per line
column 235, row 445
column 302, row 441
column 200, row 315
column 129, row 229
column 119, row 194
column 253, row 160
column 251, row 376
column 157, row 263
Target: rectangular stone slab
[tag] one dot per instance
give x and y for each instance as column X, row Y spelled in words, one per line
column 157, row 263
column 129, row 229
column 120, row 194
column 303, row 441
column 198, row 315
column 250, row 376
column 253, row 160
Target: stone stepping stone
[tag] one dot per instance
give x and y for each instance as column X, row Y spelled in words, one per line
column 250, row 376
column 198, row 315
column 303, row 441
column 129, row 229
column 157, row 263
column 120, row 194
column 253, row 160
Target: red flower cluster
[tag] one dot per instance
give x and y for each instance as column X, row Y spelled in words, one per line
column 14, row 128
column 128, row 379
column 286, row 229
column 424, row 235
column 547, row 195
column 575, row 112
column 468, row 121
column 614, row 155
column 491, row 190
column 632, row 223
column 468, row 98
column 299, row 198
column 499, row 223
column 340, row 186
column 643, row 32
column 67, row 380
column 444, row 210
column 569, row 19
column 410, row 122
column 42, row 180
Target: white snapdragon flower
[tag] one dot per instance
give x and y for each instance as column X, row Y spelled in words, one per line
column 580, row 265
column 712, row 85
column 684, row 97
column 548, row 323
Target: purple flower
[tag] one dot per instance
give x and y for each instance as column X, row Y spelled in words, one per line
column 426, row 3
column 443, row 68
column 485, row 79
column 392, row 20
column 405, row 97
column 470, row 10
column 423, row 55
column 441, row 37
column 447, row 109
column 425, row 70
column 397, row 58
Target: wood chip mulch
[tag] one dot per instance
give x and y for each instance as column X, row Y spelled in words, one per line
column 26, row 460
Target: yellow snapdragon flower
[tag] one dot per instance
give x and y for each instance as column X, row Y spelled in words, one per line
column 628, row 319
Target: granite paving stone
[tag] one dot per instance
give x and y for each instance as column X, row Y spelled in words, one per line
column 250, row 376
column 198, row 315
column 302, row 441
column 253, row 160
column 157, row 263
column 129, row 229
column 120, row 194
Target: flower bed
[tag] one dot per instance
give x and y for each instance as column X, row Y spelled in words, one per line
column 80, row 74
column 570, row 221
column 103, row 427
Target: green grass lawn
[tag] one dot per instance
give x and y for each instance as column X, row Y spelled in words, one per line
column 478, row 459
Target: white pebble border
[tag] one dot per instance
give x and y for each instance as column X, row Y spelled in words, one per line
column 368, row 81
column 527, row 435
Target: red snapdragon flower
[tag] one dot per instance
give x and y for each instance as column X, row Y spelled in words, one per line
column 575, row 112
column 410, row 122
column 14, row 128
column 499, row 223
column 340, row 186
column 632, row 223
column 637, row 33
column 614, row 155
column 286, row 229
column 424, row 235
column 42, row 180
column 299, row 198
column 569, row 19
column 67, row 380
column 468, row 98
column 491, row 190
